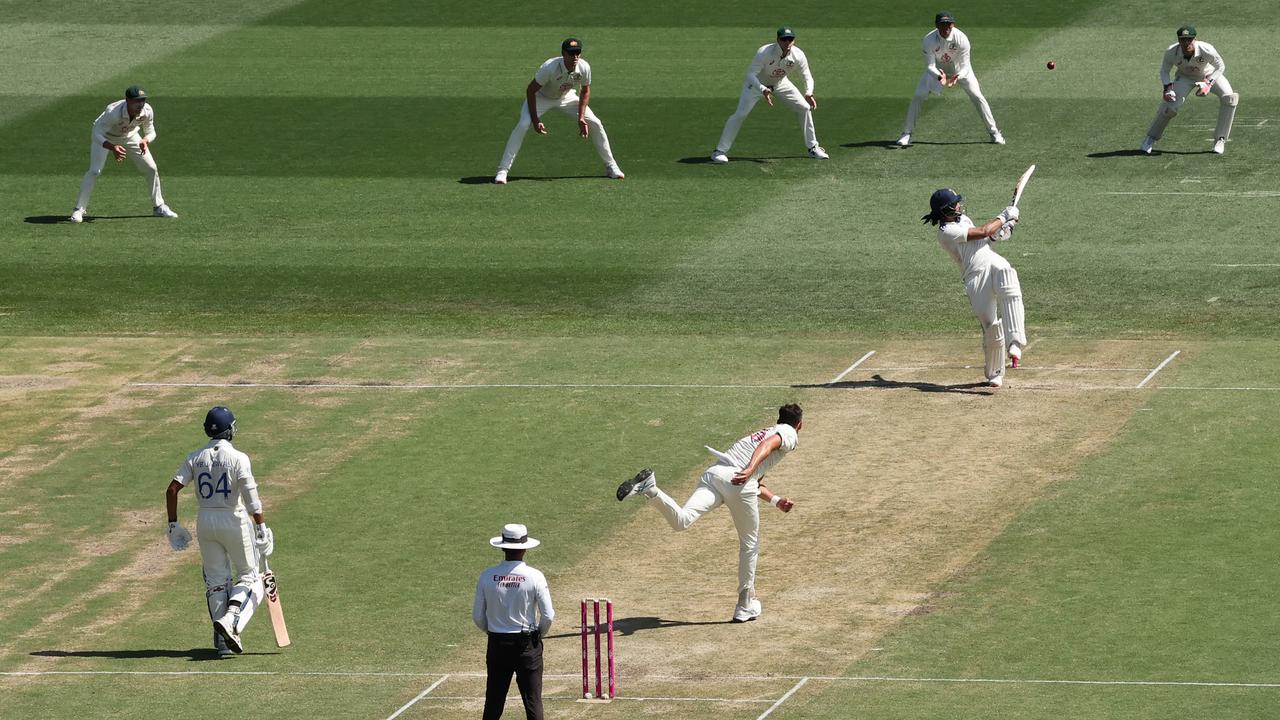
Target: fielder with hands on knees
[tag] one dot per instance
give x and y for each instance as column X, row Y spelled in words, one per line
column 767, row 75
column 230, row 546
column 734, row 481
column 995, row 294
column 554, row 86
column 1200, row 67
column 126, row 128
column 513, row 605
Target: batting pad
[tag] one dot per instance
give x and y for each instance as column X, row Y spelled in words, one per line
column 1012, row 315
column 993, row 345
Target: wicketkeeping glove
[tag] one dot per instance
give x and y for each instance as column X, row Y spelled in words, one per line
column 179, row 538
column 1170, row 96
column 264, row 540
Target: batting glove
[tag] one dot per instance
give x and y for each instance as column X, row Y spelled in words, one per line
column 264, row 540
column 179, row 538
column 1009, row 213
column 1005, row 231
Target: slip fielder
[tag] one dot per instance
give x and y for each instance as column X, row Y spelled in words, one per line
column 126, row 128
column 946, row 64
column 767, row 75
column 989, row 280
column 556, row 85
column 1199, row 67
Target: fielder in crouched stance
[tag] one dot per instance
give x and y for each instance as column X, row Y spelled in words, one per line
column 229, row 545
column 554, row 85
column 126, row 128
column 1200, row 68
column 946, row 64
column 735, row 482
column 989, row 280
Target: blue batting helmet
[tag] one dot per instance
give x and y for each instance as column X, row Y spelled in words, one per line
column 943, row 202
column 220, row 423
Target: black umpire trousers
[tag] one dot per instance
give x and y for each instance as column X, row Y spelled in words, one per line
column 517, row 653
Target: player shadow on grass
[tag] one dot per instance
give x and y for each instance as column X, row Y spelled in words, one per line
column 879, row 383
column 706, row 160
column 892, row 145
column 488, row 179
column 194, row 654
column 56, row 219
column 1138, row 153
column 631, row 625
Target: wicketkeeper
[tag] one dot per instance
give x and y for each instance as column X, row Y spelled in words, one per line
column 229, row 545
column 1200, row 68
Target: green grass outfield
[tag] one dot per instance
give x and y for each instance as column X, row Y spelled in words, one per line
column 330, row 163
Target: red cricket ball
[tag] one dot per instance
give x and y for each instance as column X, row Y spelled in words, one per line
column 1051, row 64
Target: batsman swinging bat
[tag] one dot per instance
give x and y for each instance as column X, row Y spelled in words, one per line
column 1022, row 184
column 273, row 605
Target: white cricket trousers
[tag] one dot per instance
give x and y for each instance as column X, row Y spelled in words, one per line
column 716, row 488
column 98, row 159
column 1184, row 88
column 227, row 551
column 569, row 106
column 995, row 295
column 788, row 93
column 930, row 82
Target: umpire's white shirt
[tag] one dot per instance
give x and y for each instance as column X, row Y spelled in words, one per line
column 947, row 54
column 115, row 125
column 223, row 478
column 557, row 80
column 1204, row 64
column 971, row 255
column 512, row 597
column 742, row 450
column 770, row 66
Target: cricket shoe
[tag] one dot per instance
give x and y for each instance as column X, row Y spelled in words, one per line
column 77, row 215
column 500, row 178
column 220, row 645
column 817, row 153
column 747, row 614
column 719, row 157
column 615, row 173
column 1015, row 356
column 995, row 382
column 1219, row 146
column 904, row 141
column 1147, row 144
column 643, row 482
column 164, row 212
column 997, row 138
column 225, row 626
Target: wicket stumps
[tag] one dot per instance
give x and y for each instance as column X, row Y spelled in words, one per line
column 594, row 628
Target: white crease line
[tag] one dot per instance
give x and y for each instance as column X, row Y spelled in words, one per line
column 851, row 367
column 783, row 699
column 421, row 695
column 481, row 386
column 1241, row 194
column 1059, row 368
column 1159, row 367
column 1217, row 389
column 1246, row 265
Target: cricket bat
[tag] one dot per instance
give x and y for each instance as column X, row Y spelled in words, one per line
column 273, row 605
column 1022, row 184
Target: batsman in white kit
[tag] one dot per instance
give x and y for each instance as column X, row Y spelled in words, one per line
column 989, row 280
column 563, row 83
column 125, row 129
column 230, row 546
column 767, row 76
column 735, row 481
column 946, row 64
column 1200, row 69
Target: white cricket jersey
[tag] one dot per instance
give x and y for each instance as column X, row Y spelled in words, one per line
column 971, row 255
column 949, row 54
column 115, row 125
column 769, row 66
column 556, row 80
column 1204, row 64
column 741, row 452
column 512, row 597
column 222, row 477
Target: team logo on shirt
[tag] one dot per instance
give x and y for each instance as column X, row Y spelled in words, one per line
column 509, row 581
column 946, row 57
column 758, row 435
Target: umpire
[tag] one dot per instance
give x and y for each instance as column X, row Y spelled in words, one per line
column 513, row 605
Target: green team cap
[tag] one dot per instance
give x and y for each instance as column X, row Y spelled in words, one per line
column 786, row 32
column 571, row 45
column 1186, row 31
column 945, row 17
column 135, row 92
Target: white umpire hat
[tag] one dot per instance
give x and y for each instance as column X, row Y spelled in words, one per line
column 514, row 537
